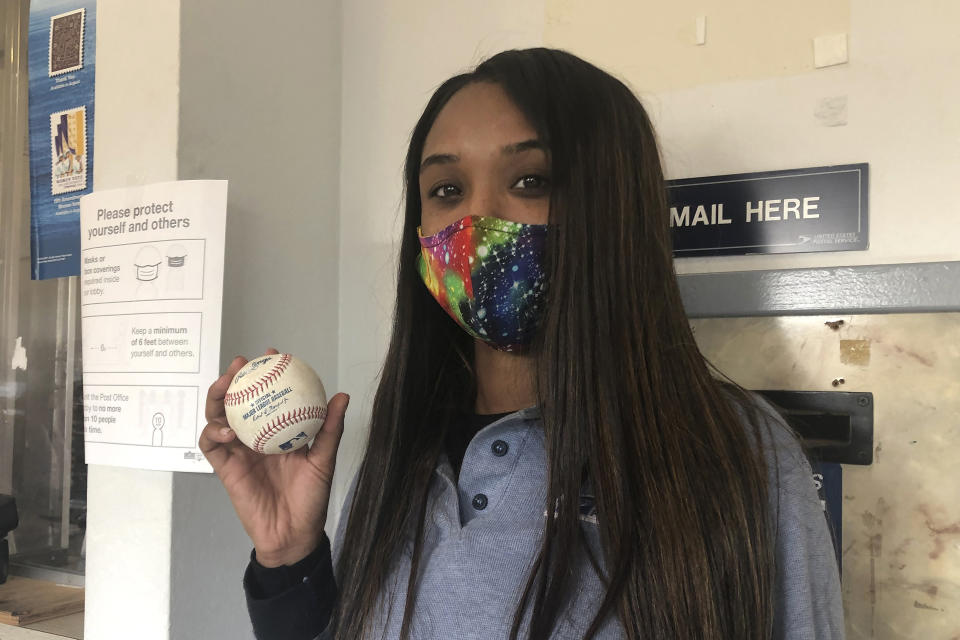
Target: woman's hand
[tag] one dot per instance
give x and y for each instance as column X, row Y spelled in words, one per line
column 281, row 499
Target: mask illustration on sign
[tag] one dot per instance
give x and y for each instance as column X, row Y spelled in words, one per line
column 488, row 275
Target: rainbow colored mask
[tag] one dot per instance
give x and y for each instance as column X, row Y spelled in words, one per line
column 487, row 274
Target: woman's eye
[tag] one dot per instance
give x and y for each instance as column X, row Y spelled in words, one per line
column 445, row 191
column 531, row 182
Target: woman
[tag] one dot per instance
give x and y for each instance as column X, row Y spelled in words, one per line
column 549, row 455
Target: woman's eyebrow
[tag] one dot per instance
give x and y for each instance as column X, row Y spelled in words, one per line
column 510, row 149
column 438, row 158
column 526, row 145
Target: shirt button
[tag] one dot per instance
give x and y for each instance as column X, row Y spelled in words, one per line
column 479, row 502
column 499, row 448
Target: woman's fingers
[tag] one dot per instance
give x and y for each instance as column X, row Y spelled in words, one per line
column 323, row 452
column 217, row 433
column 214, row 406
column 213, row 409
column 212, row 443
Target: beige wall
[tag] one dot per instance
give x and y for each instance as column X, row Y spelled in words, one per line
column 748, row 100
column 654, row 44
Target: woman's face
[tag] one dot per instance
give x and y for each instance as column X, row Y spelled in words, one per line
column 482, row 158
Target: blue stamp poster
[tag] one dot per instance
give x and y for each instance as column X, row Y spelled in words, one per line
column 62, row 48
column 794, row 211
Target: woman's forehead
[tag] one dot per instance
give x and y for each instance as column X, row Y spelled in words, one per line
column 478, row 116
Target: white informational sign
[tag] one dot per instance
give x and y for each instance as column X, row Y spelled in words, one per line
column 151, row 276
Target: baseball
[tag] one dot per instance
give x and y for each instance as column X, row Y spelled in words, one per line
column 275, row 404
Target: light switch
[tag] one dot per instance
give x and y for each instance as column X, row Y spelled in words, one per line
column 830, row 50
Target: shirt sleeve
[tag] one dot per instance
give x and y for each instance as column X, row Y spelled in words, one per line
column 291, row 602
column 808, row 601
column 267, row 582
column 295, row 602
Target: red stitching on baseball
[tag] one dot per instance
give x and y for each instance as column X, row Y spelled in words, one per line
column 282, row 421
column 256, row 388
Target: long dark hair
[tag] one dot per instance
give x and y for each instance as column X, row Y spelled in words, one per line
column 627, row 400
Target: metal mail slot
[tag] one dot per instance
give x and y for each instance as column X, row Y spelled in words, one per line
column 835, row 426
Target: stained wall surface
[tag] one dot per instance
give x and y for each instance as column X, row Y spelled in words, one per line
column 901, row 515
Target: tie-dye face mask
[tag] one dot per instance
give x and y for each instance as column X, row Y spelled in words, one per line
column 487, row 273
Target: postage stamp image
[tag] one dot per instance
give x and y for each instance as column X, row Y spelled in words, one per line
column 68, row 150
column 66, row 42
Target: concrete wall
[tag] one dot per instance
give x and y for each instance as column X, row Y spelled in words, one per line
column 259, row 106
column 129, row 514
column 204, row 89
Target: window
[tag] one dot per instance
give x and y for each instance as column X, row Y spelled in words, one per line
column 41, row 417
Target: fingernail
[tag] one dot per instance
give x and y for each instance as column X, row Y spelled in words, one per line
column 224, row 431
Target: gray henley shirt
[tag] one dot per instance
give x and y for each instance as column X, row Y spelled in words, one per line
column 483, row 530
